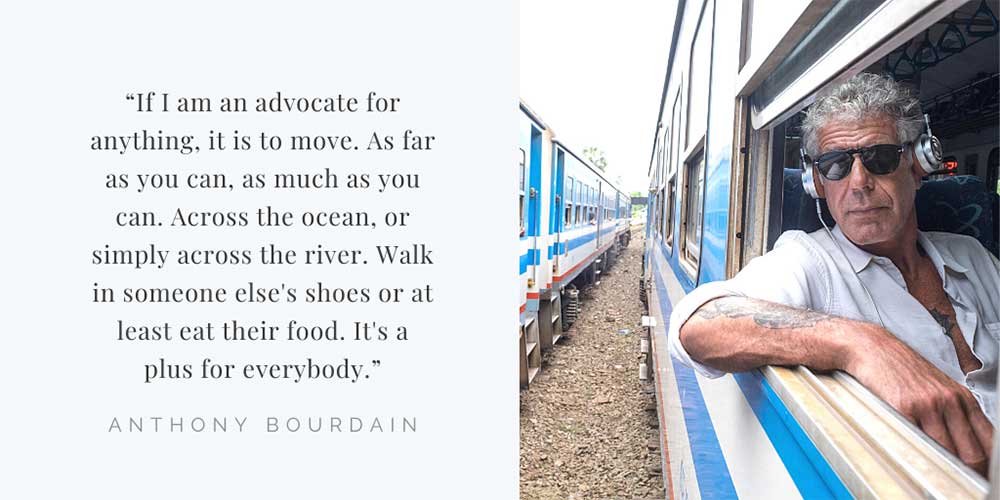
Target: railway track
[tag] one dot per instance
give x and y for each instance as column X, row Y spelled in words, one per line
column 587, row 427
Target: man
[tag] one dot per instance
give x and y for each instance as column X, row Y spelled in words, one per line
column 803, row 303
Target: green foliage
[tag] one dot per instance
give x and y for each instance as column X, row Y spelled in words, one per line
column 596, row 156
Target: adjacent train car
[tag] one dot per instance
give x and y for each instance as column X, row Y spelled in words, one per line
column 724, row 184
column 572, row 224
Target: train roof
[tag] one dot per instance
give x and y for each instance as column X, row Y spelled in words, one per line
column 531, row 114
column 678, row 18
column 535, row 118
column 589, row 165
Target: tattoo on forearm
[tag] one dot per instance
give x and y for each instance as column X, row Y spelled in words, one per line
column 768, row 317
column 944, row 320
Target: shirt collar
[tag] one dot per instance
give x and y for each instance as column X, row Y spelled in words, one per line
column 860, row 259
column 941, row 257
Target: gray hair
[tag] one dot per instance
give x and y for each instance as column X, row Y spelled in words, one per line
column 864, row 96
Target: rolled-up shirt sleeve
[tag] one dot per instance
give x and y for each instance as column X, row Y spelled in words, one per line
column 790, row 275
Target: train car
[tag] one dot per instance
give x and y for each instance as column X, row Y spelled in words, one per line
column 573, row 222
column 724, row 184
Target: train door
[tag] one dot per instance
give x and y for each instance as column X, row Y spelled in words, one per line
column 534, row 202
column 561, row 215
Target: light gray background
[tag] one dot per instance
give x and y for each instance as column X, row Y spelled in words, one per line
column 67, row 68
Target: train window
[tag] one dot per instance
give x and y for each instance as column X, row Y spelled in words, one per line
column 829, row 33
column 590, row 205
column 675, row 161
column 662, row 207
column 658, row 174
column 670, row 192
column 520, row 188
column 692, row 215
column 575, row 218
column 592, row 209
column 568, row 220
column 669, row 214
column 658, row 214
column 656, row 202
column 675, row 139
column 763, row 16
column 661, row 158
column 701, row 58
column 597, row 205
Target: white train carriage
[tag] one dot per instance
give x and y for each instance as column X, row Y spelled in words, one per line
column 572, row 223
column 725, row 184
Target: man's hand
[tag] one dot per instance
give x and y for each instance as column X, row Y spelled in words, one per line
column 944, row 409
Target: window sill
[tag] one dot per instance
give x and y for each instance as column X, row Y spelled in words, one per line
column 875, row 451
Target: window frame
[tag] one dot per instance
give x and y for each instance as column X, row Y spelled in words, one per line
column 690, row 261
column 674, row 160
column 700, row 30
column 569, row 203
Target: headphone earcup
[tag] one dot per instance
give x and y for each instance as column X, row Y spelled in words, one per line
column 927, row 149
column 809, row 183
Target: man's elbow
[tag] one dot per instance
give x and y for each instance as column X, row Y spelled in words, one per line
column 694, row 340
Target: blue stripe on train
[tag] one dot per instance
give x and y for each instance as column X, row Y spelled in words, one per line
column 710, row 466
column 806, row 466
column 809, row 470
column 559, row 248
column 531, row 258
column 587, row 238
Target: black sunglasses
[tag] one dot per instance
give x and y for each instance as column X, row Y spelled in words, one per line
column 879, row 159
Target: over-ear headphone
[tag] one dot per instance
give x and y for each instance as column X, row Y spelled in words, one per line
column 808, row 183
column 927, row 150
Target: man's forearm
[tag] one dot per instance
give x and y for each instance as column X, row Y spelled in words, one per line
column 736, row 334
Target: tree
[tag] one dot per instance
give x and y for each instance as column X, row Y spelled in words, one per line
column 596, row 156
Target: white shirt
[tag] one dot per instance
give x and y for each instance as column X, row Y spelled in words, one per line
column 808, row 271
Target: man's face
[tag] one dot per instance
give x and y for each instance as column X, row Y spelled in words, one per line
column 870, row 209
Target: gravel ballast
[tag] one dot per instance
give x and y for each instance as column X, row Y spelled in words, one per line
column 588, row 424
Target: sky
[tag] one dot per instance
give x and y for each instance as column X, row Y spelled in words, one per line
column 593, row 71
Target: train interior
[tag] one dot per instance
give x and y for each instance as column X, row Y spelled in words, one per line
column 953, row 67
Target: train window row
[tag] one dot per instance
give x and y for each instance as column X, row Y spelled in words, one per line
column 584, row 205
column 682, row 141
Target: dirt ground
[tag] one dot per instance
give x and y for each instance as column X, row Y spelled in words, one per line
column 588, row 424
